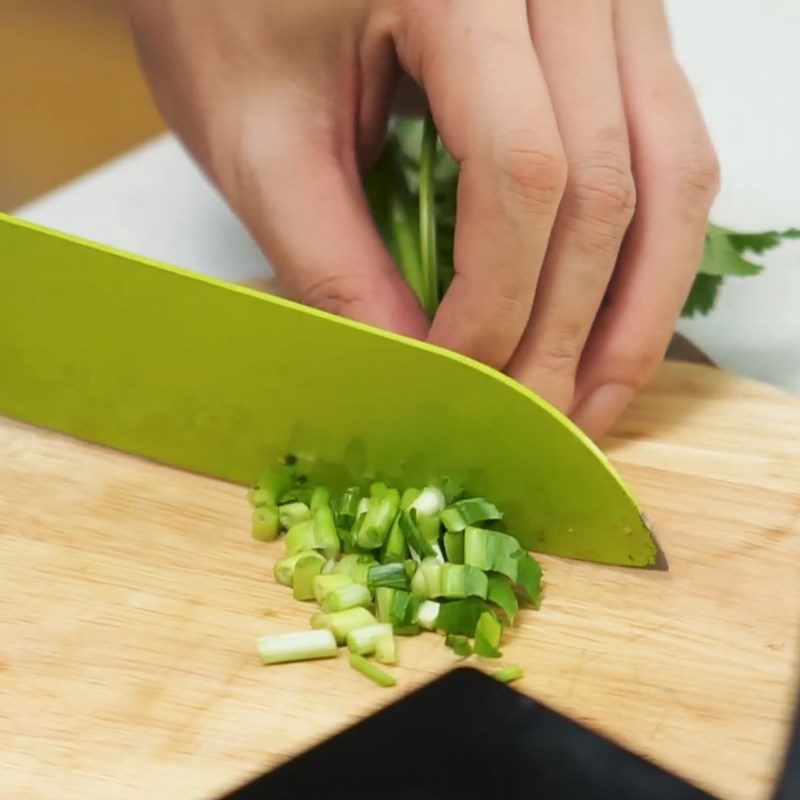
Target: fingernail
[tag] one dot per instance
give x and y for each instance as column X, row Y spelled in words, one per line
column 598, row 412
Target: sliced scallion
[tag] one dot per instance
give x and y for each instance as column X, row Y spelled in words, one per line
column 460, row 616
column 508, row 673
column 392, row 575
column 290, row 514
column 347, row 508
column 502, row 595
column 371, row 671
column 266, row 525
column 378, row 520
column 384, row 597
column 325, row 584
column 427, row 614
column 469, row 512
column 487, row 635
column 340, row 623
column 296, row 646
column 454, row 547
column 461, row 580
column 386, row 649
column 364, row 640
column 284, row 569
column 308, row 568
column 344, row 597
column 459, row 644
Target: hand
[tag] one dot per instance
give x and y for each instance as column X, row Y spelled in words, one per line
column 563, row 116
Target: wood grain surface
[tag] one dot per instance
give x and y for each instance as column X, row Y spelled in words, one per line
column 131, row 595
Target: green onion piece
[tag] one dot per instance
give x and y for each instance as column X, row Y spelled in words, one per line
column 427, row 614
column 427, row 217
column 408, row 498
column 343, row 622
column 460, row 580
column 394, row 549
column 325, row 531
column 468, row 512
column 344, row 597
column 410, row 567
column 529, row 578
column 384, row 597
column 508, row 673
column 284, row 569
column 347, row 507
column 429, row 502
column 419, row 546
column 296, row 646
column 432, row 570
column 257, row 496
column 329, row 566
column 454, row 547
column 265, row 523
column 325, row 584
column 487, row 635
column 407, row 630
column 290, row 514
column 491, row 551
column 460, row 616
column 458, row 644
column 419, row 586
column 392, row 575
column 404, row 609
column 386, row 649
column 378, row 489
column 302, row 536
column 306, row 570
column 275, row 483
column 378, row 520
column 356, row 566
column 502, row 595
column 320, row 498
column 371, row 671
column 364, row 640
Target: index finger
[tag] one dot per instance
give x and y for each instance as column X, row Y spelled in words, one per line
column 491, row 106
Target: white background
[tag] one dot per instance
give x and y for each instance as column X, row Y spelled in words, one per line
column 743, row 58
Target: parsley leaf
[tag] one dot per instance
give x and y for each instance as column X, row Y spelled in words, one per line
column 703, row 295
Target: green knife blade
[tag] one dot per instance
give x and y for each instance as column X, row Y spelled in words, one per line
column 215, row 378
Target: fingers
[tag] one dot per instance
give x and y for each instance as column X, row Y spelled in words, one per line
column 306, row 208
column 490, row 103
column 676, row 176
column 575, row 45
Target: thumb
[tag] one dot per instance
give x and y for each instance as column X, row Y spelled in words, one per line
column 309, row 214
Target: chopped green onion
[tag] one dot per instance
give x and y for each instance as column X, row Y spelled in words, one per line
column 454, row 547
column 487, row 635
column 347, row 507
column 509, row 673
column 468, row 512
column 460, row 616
column 284, row 569
column 386, row 649
column 296, row 646
column 364, row 640
column 404, row 609
column 409, row 497
column 378, row 520
column 344, row 597
column 392, row 575
column 432, row 570
column 419, row 586
column 458, row 644
column 384, row 597
column 356, row 566
column 302, row 536
column 407, row 630
column 329, row 566
column 340, row 623
column 491, row 551
column 321, row 498
column 275, row 483
column 371, row 671
column 257, row 497
column 502, row 595
column 529, row 577
column 417, row 544
column 265, row 523
column 293, row 513
column 430, row 501
column 394, row 548
column 325, row 584
column 306, row 570
column 460, row 580
column 378, row 489
column 427, row 614
column 325, row 531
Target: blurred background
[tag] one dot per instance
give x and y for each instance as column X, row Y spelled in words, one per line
column 71, row 95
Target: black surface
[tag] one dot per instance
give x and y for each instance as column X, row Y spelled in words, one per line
column 789, row 784
column 467, row 736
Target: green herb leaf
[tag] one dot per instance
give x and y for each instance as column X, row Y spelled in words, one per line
column 487, row 635
column 703, row 295
column 502, row 595
column 460, row 616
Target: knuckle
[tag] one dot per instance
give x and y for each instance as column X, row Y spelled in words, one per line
column 695, row 173
column 601, row 192
column 334, row 293
column 635, row 363
column 534, row 169
column 560, row 351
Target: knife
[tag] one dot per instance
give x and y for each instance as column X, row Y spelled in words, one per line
column 215, row 378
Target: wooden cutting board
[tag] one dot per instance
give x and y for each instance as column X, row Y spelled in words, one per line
column 131, row 595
